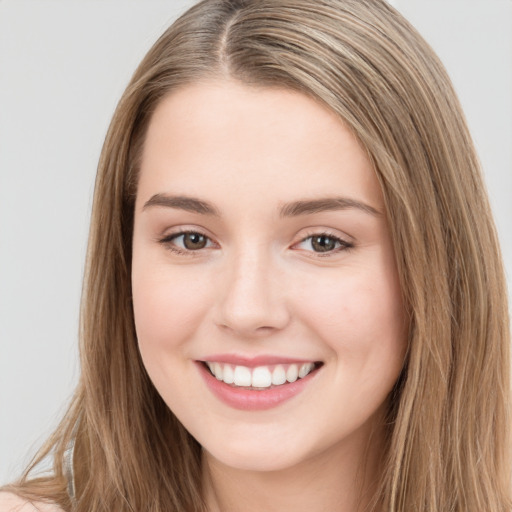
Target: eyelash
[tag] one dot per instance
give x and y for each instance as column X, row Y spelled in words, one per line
column 169, row 239
column 343, row 245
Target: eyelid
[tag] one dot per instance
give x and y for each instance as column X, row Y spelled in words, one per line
column 167, row 241
column 346, row 242
column 182, row 229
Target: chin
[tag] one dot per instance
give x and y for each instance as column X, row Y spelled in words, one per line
column 252, row 458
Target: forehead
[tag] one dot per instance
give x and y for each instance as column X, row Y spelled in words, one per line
column 222, row 137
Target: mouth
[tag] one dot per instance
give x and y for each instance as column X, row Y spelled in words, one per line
column 255, row 386
column 262, row 377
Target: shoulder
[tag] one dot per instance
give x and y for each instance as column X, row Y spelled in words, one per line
column 11, row 503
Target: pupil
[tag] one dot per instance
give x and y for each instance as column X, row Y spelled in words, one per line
column 323, row 243
column 194, row 241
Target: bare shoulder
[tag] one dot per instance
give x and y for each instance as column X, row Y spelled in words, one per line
column 11, row 503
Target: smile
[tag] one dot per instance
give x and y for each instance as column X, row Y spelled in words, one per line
column 260, row 377
column 254, row 385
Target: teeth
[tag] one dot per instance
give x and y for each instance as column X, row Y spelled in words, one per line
column 260, row 377
column 242, row 376
column 229, row 375
column 292, row 373
column 278, row 375
column 217, row 370
column 305, row 369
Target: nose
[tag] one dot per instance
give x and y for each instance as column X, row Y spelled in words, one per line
column 251, row 299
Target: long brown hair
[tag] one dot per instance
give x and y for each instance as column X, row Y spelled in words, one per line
column 448, row 419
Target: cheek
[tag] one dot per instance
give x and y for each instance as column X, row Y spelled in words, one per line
column 167, row 306
column 361, row 319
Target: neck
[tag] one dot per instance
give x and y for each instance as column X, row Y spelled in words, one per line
column 344, row 479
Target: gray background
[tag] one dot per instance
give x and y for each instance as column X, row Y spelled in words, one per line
column 63, row 66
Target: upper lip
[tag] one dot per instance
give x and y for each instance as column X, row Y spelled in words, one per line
column 254, row 361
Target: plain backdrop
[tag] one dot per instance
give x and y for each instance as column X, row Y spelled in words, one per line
column 63, row 66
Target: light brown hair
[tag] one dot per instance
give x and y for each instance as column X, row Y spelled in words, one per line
column 448, row 419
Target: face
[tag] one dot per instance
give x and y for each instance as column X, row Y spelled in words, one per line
column 265, row 292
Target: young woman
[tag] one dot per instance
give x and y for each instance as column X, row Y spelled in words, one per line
column 294, row 298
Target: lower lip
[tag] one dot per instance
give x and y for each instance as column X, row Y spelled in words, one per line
column 253, row 399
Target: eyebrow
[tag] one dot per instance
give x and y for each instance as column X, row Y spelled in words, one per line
column 293, row 209
column 306, row 207
column 189, row 204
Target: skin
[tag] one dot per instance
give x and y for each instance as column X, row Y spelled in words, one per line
column 259, row 286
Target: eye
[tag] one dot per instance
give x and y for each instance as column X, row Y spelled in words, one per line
column 187, row 241
column 323, row 243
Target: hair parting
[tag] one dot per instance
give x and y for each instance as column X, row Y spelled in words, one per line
column 447, row 424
